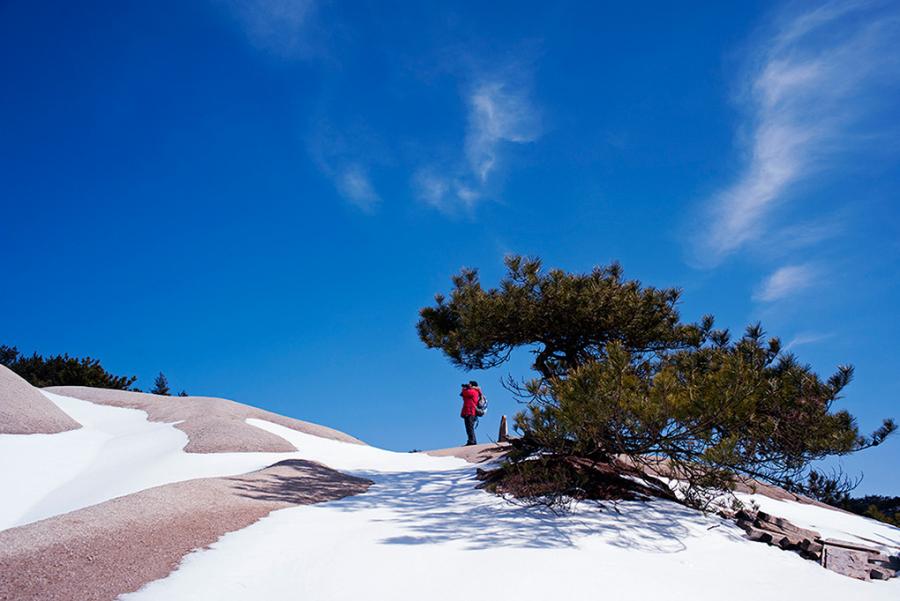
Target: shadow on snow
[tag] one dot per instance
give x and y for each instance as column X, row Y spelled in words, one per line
column 441, row 507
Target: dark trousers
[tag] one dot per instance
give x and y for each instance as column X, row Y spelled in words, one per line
column 471, row 422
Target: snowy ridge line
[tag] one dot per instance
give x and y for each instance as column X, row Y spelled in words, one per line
column 212, row 425
column 24, row 410
column 118, row 451
column 356, row 459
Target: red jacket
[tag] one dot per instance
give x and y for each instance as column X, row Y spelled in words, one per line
column 470, row 401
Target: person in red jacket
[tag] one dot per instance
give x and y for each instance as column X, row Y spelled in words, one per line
column 470, row 396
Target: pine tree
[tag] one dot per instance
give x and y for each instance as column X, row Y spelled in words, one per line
column 621, row 377
column 61, row 370
column 160, row 385
column 566, row 319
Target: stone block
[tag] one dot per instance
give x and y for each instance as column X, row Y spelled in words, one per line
column 761, row 536
column 849, row 562
column 881, row 574
column 812, row 547
column 745, row 515
column 503, row 434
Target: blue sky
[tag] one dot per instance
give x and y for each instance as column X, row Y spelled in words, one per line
column 257, row 197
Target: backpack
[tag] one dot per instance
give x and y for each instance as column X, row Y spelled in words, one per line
column 481, row 407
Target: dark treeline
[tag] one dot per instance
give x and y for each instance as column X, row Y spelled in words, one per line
column 877, row 507
column 63, row 370
column 835, row 490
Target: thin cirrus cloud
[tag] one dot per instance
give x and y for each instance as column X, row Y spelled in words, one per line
column 817, row 77
column 340, row 158
column 499, row 113
column 285, row 29
column 805, row 338
column 354, row 185
column 785, row 282
column 279, row 27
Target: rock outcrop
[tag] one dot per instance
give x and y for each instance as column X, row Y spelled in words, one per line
column 213, row 425
column 25, row 410
column 115, row 547
column 847, row 558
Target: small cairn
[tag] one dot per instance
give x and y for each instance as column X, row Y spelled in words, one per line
column 850, row 559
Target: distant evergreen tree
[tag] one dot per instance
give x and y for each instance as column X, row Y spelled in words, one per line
column 886, row 505
column 833, row 490
column 620, row 376
column 160, row 385
column 61, row 370
column 836, row 492
column 874, row 512
column 183, row 393
column 877, row 507
column 8, row 355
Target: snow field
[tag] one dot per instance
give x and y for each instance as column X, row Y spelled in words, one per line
column 116, row 452
column 432, row 535
column 422, row 530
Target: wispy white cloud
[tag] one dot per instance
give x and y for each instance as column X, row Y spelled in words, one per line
column 276, row 26
column 346, row 155
column 786, row 281
column 432, row 188
column 499, row 113
column 806, row 338
column 354, row 185
column 817, row 75
column 446, row 193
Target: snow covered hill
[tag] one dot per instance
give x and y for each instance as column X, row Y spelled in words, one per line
column 117, row 507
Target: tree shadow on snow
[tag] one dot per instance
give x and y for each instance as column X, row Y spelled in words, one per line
column 297, row 482
column 442, row 507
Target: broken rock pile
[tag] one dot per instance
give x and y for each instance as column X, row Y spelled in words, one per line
column 847, row 558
